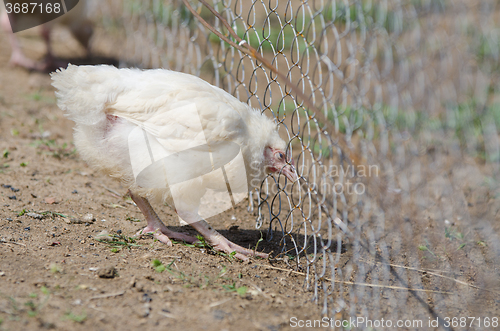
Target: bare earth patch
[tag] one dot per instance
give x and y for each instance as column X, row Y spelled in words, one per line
column 55, row 275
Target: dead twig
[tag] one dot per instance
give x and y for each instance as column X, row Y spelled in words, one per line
column 218, row 303
column 12, row 242
column 167, row 315
column 112, row 191
column 432, row 274
column 172, row 256
column 107, row 295
column 358, row 284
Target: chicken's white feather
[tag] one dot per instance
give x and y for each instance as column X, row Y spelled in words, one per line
column 179, row 110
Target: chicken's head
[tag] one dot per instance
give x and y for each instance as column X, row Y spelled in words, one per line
column 277, row 161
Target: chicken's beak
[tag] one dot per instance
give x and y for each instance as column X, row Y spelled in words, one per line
column 290, row 173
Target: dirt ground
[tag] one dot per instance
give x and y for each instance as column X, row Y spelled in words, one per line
column 50, row 262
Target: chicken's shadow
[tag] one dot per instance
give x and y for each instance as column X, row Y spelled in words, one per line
column 276, row 244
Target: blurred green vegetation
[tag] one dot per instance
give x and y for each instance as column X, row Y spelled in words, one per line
column 486, row 47
column 468, row 123
column 167, row 13
column 366, row 13
column 287, row 32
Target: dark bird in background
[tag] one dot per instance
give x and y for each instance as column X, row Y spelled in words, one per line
column 172, row 138
column 75, row 20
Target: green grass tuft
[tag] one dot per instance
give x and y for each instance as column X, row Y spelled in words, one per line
column 78, row 318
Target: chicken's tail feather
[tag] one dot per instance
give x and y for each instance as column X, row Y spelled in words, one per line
column 84, row 92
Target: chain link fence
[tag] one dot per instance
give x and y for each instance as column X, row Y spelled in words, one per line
column 396, row 212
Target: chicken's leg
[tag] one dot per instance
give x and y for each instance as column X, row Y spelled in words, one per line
column 155, row 225
column 17, row 57
column 220, row 243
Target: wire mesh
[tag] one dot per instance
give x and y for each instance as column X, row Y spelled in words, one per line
column 396, row 212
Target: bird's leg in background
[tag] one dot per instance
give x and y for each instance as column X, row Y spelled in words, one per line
column 17, row 57
column 155, row 225
column 46, row 38
column 50, row 62
column 220, row 243
column 82, row 31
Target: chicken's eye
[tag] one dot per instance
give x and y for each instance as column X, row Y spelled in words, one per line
column 281, row 156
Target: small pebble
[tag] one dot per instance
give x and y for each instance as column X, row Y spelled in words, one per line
column 75, row 192
column 143, row 311
column 12, row 197
column 9, row 219
column 50, row 200
column 89, row 218
column 219, row 314
column 6, row 186
column 14, row 189
column 27, row 228
column 103, row 235
column 146, row 298
column 119, row 231
column 107, row 272
column 35, row 215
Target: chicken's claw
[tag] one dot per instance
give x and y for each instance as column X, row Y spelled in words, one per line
column 164, row 235
column 221, row 244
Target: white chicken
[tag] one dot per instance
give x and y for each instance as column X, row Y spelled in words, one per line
column 171, row 138
column 76, row 20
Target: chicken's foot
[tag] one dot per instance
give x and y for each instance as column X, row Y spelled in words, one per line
column 221, row 244
column 155, row 225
